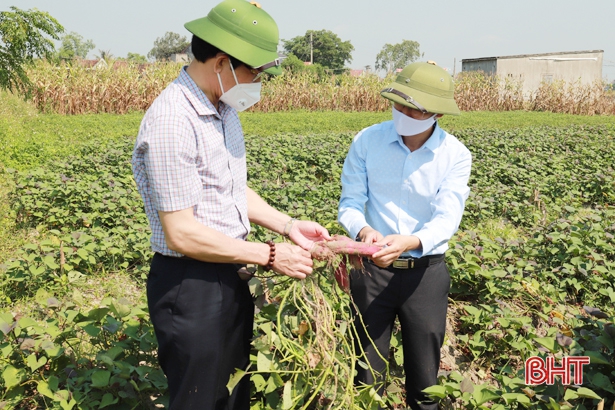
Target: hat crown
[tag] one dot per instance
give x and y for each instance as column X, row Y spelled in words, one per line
column 242, row 30
column 424, row 86
column 428, row 78
column 246, row 21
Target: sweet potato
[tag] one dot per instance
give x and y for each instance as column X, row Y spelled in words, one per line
column 349, row 251
column 339, row 244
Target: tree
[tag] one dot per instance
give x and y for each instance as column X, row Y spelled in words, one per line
column 325, row 46
column 167, row 45
column 397, row 55
column 136, row 58
column 23, row 38
column 295, row 65
column 75, row 46
column 104, row 55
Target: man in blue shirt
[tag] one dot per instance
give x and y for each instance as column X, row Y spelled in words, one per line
column 404, row 187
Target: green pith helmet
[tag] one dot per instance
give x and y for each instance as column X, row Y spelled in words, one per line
column 242, row 30
column 423, row 86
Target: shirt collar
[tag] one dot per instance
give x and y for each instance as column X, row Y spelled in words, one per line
column 195, row 95
column 435, row 140
column 432, row 143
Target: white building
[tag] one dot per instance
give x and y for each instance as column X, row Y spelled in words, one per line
column 533, row 69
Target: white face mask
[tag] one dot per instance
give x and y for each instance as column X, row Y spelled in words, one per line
column 407, row 126
column 241, row 96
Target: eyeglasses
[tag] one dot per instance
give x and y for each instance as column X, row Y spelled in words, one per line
column 257, row 73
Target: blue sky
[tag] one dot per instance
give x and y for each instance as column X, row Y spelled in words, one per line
column 446, row 30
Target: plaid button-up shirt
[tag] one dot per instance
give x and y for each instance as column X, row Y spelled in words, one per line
column 188, row 155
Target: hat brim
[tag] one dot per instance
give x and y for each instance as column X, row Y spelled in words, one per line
column 430, row 102
column 234, row 46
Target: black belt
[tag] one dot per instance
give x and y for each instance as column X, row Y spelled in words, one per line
column 408, row 262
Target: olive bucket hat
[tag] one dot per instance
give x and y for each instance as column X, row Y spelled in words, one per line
column 423, row 86
column 242, row 30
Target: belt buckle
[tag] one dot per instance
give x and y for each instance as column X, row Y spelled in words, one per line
column 403, row 263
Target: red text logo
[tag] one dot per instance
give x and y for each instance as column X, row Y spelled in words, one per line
column 539, row 371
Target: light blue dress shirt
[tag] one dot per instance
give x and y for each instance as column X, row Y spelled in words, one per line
column 396, row 191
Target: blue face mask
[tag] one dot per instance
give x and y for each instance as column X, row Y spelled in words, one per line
column 408, row 126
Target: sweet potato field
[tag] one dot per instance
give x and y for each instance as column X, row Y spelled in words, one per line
column 532, row 268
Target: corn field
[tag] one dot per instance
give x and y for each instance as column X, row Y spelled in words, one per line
column 74, row 89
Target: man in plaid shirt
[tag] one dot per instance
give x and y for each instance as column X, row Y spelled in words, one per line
column 190, row 167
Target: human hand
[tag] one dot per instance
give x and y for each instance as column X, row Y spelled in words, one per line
column 305, row 233
column 369, row 235
column 292, row 261
column 393, row 246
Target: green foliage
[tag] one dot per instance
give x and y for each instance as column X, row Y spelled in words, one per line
column 307, row 123
column 104, row 55
column 75, row 46
column 136, row 58
column 74, row 358
column 393, row 56
column 532, row 268
column 294, row 65
column 29, row 141
column 94, row 216
column 167, row 45
column 306, row 183
column 304, row 352
column 23, row 37
column 326, row 47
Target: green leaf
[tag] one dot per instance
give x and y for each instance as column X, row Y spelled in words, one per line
column 43, row 388
column 570, row 394
column 466, row 386
column 12, row 377
column 66, row 405
column 587, row 393
column 483, row 395
column 602, row 381
column 234, row 379
column 35, row 363
column 258, row 381
column 121, row 307
column 437, row 391
column 548, row 342
column 472, row 310
column 50, row 262
column 597, row 357
column 100, row 378
column 515, row 397
column 98, row 314
column 108, row 400
column 287, row 396
column 26, row 322
column 61, row 395
column 263, row 362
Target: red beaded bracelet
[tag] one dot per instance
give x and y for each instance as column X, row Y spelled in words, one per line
column 269, row 266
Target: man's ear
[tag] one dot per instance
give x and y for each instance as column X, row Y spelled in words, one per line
column 220, row 58
column 439, row 115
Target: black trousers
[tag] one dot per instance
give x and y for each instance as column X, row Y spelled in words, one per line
column 419, row 298
column 202, row 315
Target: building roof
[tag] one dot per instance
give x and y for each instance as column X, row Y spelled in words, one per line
column 530, row 55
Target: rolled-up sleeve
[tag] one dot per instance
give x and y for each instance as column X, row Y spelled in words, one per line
column 448, row 204
column 351, row 210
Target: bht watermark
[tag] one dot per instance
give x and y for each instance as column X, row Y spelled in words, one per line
column 539, row 370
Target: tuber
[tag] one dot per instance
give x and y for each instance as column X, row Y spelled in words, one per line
column 350, row 251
